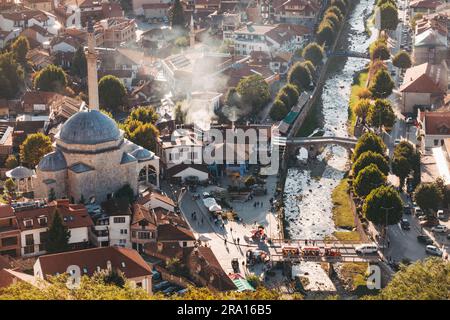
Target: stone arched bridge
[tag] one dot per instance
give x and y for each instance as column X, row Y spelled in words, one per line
column 314, row 145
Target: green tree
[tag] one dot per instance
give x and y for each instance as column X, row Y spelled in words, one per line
column 144, row 115
column 11, row 76
column 56, row 288
column 440, row 184
column 79, row 63
column 362, row 108
column 254, row 92
column 182, row 42
column 367, row 158
column 401, row 168
column 292, row 92
column 402, row 60
column 368, row 179
column 11, row 162
column 325, row 33
column 9, row 191
column 314, row 53
column 381, row 114
column 145, row 135
column 20, row 49
column 180, row 114
column 110, row 277
column 250, row 181
column 389, row 16
column 51, row 78
column 34, row 147
column 111, row 92
column 383, row 205
column 422, row 280
column 58, row 235
column 278, row 110
column 176, row 15
column 379, row 51
column 428, row 197
column 300, row 76
column 369, row 142
column 417, row 17
column 125, row 192
column 332, row 18
column 335, row 10
column 382, row 85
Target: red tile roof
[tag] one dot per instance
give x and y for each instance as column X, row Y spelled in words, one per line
column 437, row 123
column 424, row 78
column 89, row 260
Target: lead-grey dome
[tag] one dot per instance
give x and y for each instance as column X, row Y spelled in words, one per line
column 19, row 172
column 53, row 161
column 142, row 154
column 89, row 127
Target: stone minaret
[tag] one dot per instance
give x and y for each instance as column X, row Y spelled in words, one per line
column 192, row 32
column 91, row 58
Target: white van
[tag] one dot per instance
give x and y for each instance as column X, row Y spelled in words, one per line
column 367, row 248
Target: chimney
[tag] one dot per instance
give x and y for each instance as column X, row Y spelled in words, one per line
column 108, row 265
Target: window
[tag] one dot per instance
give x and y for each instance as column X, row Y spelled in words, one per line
column 119, row 220
column 43, row 237
column 144, row 235
column 10, row 241
column 123, row 231
column 42, row 221
column 28, row 249
column 29, row 240
column 436, row 142
column 184, row 243
column 28, row 223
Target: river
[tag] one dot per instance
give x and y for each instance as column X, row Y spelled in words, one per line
column 307, row 192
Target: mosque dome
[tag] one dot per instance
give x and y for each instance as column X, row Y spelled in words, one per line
column 89, row 127
column 142, row 154
column 53, row 161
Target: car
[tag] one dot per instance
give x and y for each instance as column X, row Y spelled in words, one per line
column 433, row 250
column 156, row 275
column 439, row 229
column 396, row 142
column 366, row 249
column 206, row 195
column 182, row 291
column 423, row 238
column 407, row 210
column 405, row 225
column 169, row 290
column 161, row 286
column 418, row 212
column 440, row 214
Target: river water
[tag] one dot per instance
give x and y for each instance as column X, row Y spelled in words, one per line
column 307, row 193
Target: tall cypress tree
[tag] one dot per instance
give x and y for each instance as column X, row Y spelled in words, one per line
column 176, row 15
column 79, row 63
column 57, row 236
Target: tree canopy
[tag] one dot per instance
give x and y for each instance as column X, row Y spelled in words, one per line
column 300, row 76
column 314, row 53
column 382, row 84
column 383, row 205
column 254, row 92
column 111, row 92
column 79, row 63
column 176, row 15
column 34, row 147
column 428, row 196
column 381, row 114
column 58, row 235
column 278, row 111
column 389, row 16
column 20, row 48
column 51, row 78
column 422, row 280
column 369, row 142
column 367, row 158
column 368, row 179
column 11, row 76
column 402, row 60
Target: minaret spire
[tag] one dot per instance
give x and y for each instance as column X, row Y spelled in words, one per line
column 91, row 57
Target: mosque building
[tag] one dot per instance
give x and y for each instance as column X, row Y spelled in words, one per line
column 92, row 159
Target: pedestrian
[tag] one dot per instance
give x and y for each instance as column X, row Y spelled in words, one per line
column 388, row 243
column 231, row 230
column 225, row 241
column 254, row 204
column 262, row 204
column 202, row 220
column 238, row 240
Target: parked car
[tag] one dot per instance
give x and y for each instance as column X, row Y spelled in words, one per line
column 433, row 250
column 423, row 238
column 430, row 222
column 440, row 214
column 169, row 290
column 410, row 121
column 439, row 228
column 396, row 142
column 405, row 224
column 161, row 286
column 156, row 275
column 407, row 210
column 418, row 212
column 366, row 249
